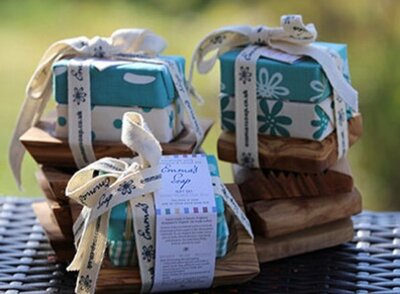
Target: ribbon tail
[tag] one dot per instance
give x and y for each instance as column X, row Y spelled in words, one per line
column 28, row 116
column 90, row 255
column 221, row 190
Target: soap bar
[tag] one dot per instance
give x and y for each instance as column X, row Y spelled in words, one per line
column 302, row 81
column 122, row 251
column 314, row 121
column 165, row 123
column 123, row 83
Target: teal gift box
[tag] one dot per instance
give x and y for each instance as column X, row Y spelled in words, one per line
column 122, row 250
column 302, row 81
column 123, row 84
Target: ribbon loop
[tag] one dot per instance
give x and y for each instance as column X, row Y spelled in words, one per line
column 38, row 91
column 99, row 193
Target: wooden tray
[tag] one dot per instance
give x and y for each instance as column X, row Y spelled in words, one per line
column 308, row 240
column 271, row 218
column 49, row 150
column 291, row 154
column 238, row 266
column 266, row 184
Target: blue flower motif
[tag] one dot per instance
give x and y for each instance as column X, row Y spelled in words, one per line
column 247, row 159
column 272, row 123
column 79, row 95
column 85, row 283
column 245, row 74
column 148, row 253
column 321, row 124
column 227, row 116
column 126, row 187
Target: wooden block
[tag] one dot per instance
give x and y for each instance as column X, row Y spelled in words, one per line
column 49, row 150
column 308, row 240
column 291, row 154
column 266, row 184
column 62, row 216
column 45, row 185
column 62, row 246
column 271, row 218
column 53, row 182
column 238, row 266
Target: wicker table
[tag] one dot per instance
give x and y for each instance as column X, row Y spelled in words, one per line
column 371, row 263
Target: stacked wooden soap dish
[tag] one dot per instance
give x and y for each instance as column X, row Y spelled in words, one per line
column 58, row 213
column 302, row 197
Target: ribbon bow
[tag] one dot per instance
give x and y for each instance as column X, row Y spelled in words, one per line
column 292, row 37
column 118, row 181
column 122, row 42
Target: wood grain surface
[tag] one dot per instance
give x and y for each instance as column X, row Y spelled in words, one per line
column 308, row 240
column 271, row 218
column 266, row 184
column 49, row 150
column 238, row 266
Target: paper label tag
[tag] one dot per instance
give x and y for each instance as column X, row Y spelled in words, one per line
column 186, row 222
column 279, row 55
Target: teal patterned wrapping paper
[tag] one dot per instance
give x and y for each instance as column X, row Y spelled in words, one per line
column 314, row 121
column 302, row 81
column 165, row 123
column 122, row 251
column 123, row 83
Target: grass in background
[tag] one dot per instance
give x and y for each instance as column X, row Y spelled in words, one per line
column 371, row 28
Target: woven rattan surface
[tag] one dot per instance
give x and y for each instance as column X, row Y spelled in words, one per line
column 371, row 263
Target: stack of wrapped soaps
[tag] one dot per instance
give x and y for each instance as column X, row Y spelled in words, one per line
column 301, row 196
column 130, row 83
column 116, row 87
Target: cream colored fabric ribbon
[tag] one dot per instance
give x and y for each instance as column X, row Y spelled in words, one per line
column 124, row 44
column 292, row 37
column 118, row 182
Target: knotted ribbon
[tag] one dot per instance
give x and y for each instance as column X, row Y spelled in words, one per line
column 292, row 37
column 104, row 184
column 130, row 45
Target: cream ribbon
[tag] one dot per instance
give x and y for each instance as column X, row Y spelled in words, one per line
column 103, row 184
column 292, row 37
column 124, row 44
column 118, row 182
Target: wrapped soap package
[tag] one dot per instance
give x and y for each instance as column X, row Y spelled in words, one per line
column 122, row 247
column 165, row 123
column 314, row 121
column 302, row 81
column 118, row 87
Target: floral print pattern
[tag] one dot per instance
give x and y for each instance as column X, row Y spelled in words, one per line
column 271, row 121
column 245, row 74
column 321, row 124
column 85, row 283
column 228, row 116
column 148, row 253
column 247, row 159
column 126, row 187
column 268, row 87
column 79, row 95
column 320, row 88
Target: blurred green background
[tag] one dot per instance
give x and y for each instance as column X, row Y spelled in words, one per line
column 371, row 28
